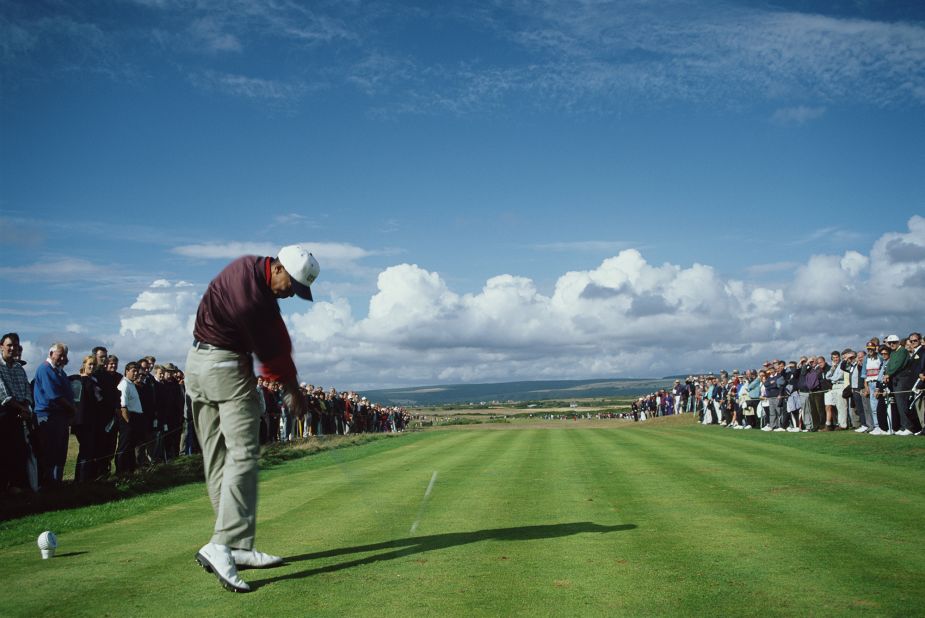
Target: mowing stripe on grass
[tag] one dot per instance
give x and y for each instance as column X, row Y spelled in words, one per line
column 781, row 536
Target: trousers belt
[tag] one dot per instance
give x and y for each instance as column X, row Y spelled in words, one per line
column 201, row 345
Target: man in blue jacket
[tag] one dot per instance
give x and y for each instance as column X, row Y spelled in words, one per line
column 54, row 407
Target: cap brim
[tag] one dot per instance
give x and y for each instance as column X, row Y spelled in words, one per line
column 301, row 290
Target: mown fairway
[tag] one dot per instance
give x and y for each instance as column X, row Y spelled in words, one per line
column 661, row 518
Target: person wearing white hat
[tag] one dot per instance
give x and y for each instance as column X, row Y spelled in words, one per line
column 239, row 316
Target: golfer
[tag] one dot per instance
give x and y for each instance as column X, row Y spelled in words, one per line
column 239, row 316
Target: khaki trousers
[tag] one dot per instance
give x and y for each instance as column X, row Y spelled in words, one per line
column 226, row 416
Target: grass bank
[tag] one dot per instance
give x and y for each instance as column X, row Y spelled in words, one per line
column 110, row 496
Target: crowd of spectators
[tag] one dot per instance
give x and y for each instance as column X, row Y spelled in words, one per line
column 137, row 418
column 330, row 413
column 878, row 390
column 662, row 402
column 141, row 417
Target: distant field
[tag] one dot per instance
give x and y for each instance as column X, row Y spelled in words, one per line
column 533, row 391
column 656, row 518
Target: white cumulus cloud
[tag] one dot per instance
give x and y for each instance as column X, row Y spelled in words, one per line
column 159, row 322
column 623, row 317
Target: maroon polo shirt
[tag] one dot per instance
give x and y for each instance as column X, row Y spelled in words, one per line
column 239, row 312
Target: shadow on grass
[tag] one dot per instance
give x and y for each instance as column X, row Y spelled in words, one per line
column 399, row 548
column 180, row 471
column 70, row 554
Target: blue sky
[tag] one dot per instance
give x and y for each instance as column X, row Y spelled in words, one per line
column 494, row 190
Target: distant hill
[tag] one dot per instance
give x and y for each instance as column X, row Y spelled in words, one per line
column 541, row 390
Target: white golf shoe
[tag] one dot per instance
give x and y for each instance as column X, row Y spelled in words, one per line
column 217, row 559
column 253, row 559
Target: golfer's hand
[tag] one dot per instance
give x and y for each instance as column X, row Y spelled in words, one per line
column 295, row 401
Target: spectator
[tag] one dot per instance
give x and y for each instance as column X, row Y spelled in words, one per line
column 773, row 387
column 790, row 397
column 872, row 373
column 677, row 393
column 160, row 400
column 88, row 402
column 899, row 377
column 172, row 409
column 148, row 446
column 108, row 378
column 752, row 397
column 763, row 405
column 188, row 442
column 886, row 406
column 815, row 383
column 130, row 419
column 847, row 393
column 262, row 404
column 802, row 389
column 335, row 413
column 54, row 408
column 860, row 398
column 15, row 415
column 273, row 410
column 917, row 360
column 835, row 405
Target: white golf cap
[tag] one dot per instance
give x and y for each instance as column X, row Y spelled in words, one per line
column 892, row 339
column 302, row 267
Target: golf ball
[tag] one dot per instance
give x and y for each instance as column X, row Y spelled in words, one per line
column 48, row 540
